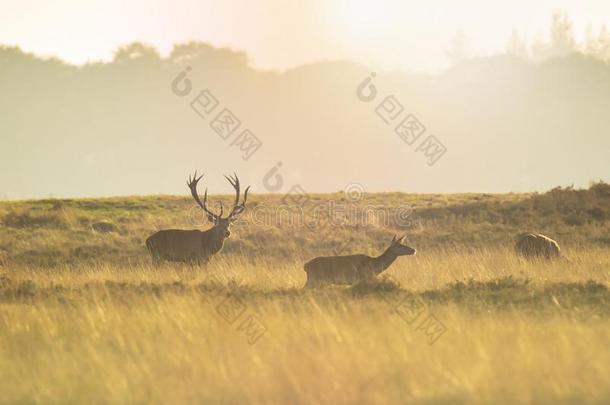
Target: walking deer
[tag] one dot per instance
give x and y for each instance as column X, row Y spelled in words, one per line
column 354, row 268
column 178, row 245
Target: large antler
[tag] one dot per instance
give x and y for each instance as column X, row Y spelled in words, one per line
column 192, row 183
column 237, row 207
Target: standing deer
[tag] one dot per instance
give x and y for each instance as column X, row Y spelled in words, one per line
column 354, row 268
column 178, row 245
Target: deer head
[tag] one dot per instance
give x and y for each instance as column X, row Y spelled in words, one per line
column 398, row 248
column 221, row 225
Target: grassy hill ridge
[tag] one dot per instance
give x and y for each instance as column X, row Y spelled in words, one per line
column 58, row 231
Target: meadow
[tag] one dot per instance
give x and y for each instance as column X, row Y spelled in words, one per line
column 85, row 317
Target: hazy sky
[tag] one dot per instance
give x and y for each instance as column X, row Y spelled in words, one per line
column 283, row 33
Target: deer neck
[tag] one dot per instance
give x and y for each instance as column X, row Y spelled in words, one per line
column 383, row 261
column 215, row 236
column 219, row 235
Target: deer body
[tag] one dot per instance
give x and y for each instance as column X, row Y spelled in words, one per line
column 178, row 245
column 537, row 246
column 353, row 269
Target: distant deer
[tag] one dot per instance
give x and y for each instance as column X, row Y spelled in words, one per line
column 537, row 246
column 197, row 246
column 354, row 268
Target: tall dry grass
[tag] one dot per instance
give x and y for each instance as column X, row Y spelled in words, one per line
column 109, row 333
column 86, row 318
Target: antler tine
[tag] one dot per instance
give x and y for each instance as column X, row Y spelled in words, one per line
column 192, row 184
column 238, row 208
column 235, row 183
column 193, row 180
column 205, row 206
column 245, row 196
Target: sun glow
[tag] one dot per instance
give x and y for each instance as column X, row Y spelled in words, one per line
column 366, row 19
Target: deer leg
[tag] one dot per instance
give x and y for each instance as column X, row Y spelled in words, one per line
column 365, row 274
column 156, row 260
column 191, row 260
column 311, row 282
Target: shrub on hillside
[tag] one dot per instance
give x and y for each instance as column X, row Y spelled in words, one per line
column 27, row 220
column 600, row 189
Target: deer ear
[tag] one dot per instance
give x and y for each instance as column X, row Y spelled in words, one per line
column 403, row 238
column 393, row 238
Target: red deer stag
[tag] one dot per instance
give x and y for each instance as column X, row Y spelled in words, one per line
column 195, row 246
column 354, row 268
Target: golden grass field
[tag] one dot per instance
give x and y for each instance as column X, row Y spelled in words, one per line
column 85, row 317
